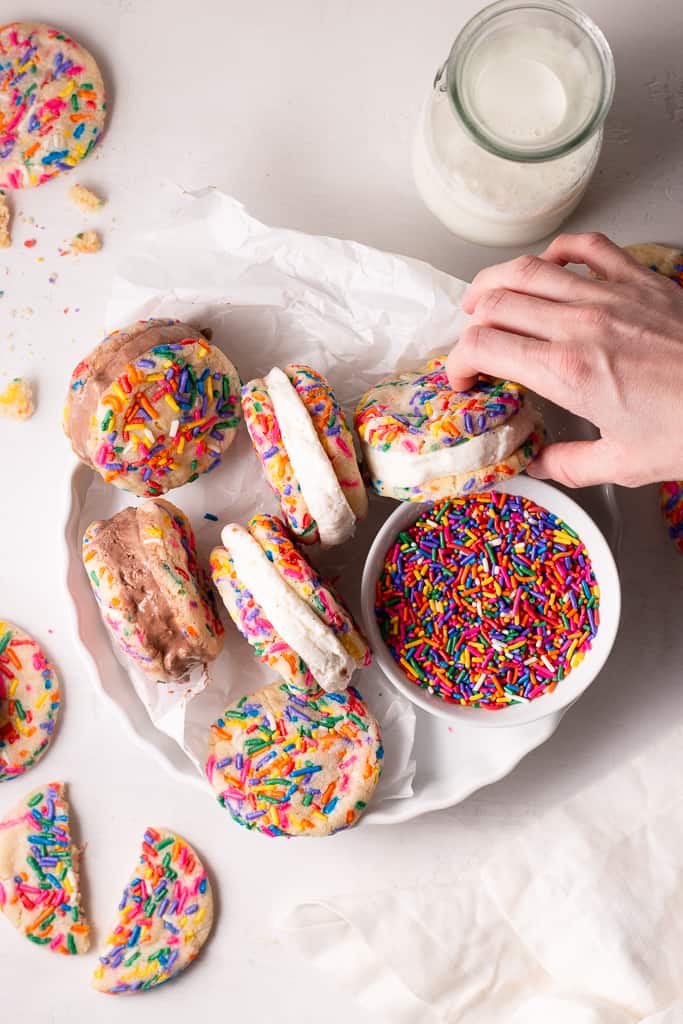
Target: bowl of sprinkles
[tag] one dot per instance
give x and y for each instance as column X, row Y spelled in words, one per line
column 494, row 609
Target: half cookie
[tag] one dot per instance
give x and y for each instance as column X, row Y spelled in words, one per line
column 52, row 105
column 29, row 701
column 152, row 407
column 306, row 449
column 292, row 617
column 668, row 262
column 295, row 764
column 164, row 918
column 39, row 886
column 422, row 440
column 155, row 599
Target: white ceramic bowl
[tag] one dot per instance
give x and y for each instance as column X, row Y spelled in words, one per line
column 574, row 684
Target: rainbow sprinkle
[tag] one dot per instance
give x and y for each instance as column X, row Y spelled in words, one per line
column 52, row 104
column 42, row 897
column 164, row 918
column 671, row 503
column 291, row 764
column 487, row 600
column 29, row 700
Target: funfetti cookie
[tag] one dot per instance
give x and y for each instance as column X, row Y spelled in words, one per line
column 154, row 597
column 52, row 105
column 668, row 262
column 661, row 258
column 671, row 504
column 153, row 407
column 292, row 617
column 295, row 764
column 39, row 883
column 29, row 701
column 306, row 449
column 164, row 918
column 422, row 441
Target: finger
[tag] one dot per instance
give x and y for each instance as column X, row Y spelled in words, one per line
column 575, row 464
column 528, row 361
column 531, row 275
column 596, row 251
column 528, row 315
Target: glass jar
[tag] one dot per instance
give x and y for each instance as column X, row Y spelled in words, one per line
column 512, row 128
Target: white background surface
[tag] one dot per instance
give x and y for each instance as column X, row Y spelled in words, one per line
column 304, row 110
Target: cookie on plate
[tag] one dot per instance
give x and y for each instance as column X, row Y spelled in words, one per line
column 154, row 597
column 29, row 701
column 668, row 262
column 39, row 885
column 306, row 449
column 153, row 407
column 292, row 617
column 164, row 918
column 52, row 104
column 423, row 441
column 295, row 764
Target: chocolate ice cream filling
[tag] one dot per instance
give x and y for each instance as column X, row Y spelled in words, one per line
column 121, row 547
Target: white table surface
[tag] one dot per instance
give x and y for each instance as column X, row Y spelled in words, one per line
column 304, row 110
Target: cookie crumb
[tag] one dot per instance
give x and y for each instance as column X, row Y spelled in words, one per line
column 5, row 237
column 86, row 241
column 85, row 198
column 16, row 401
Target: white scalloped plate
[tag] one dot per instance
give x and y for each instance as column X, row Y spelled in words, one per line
column 452, row 760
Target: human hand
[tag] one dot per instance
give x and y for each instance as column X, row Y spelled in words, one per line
column 609, row 350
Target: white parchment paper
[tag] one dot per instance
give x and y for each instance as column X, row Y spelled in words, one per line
column 270, row 297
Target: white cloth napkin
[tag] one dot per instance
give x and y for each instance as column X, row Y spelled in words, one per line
column 580, row 921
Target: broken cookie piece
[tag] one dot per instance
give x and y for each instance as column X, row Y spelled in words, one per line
column 5, row 237
column 16, row 401
column 86, row 241
column 85, row 198
column 39, row 882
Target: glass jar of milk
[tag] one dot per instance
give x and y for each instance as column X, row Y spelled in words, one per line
column 512, row 129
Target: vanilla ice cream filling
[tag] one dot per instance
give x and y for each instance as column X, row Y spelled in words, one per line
column 329, row 662
column 410, row 469
column 320, row 488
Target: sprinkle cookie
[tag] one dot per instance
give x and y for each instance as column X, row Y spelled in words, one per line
column 291, row 616
column 661, row 258
column 156, row 601
column 39, row 886
column 306, row 449
column 164, row 918
column 671, row 502
column 152, row 407
column 289, row 764
column 423, row 441
column 29, row 701
column 52, row 105
column 487, row 600
column 668, row 262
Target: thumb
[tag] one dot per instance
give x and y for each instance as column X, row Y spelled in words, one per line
column 575, row 464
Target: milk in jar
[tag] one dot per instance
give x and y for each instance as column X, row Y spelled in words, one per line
column 511, row 131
